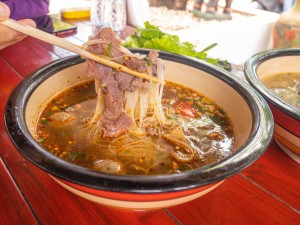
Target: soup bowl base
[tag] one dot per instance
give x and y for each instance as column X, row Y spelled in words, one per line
column 134, row 202
column 290, row 153
column 287, row 141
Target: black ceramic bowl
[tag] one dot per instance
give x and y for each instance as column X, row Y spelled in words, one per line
column 251, row 117
column 287, row 117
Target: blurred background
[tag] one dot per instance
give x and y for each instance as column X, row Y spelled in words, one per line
column 248, row 32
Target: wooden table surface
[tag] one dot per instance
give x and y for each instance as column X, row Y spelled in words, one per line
column 267, row 192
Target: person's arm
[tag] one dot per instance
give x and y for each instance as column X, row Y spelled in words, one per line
column 7, row 35
column 27, row 9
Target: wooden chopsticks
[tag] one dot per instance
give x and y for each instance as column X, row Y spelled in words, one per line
column 54, row 40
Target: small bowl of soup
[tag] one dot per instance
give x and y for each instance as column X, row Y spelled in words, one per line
column 275, row 74
column 211, row 126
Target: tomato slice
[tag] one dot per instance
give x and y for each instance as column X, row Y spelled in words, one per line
column 186, row 109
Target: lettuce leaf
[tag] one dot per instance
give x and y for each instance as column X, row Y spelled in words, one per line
column 152, row 37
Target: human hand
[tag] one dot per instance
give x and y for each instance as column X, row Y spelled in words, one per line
column 9, row 36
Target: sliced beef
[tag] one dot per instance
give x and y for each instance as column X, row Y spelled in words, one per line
column 113, row 127
column 114, row 83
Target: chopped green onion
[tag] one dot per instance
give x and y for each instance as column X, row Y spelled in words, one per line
column 109, row 49
column 41, row 140
column 44, row 120
column 148, row 61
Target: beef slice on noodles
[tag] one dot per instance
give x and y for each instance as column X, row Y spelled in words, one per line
column 113, row 83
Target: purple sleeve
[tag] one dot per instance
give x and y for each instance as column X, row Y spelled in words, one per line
column 27, row 9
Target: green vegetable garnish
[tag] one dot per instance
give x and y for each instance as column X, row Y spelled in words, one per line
column 109, row 49
column 183, row 168
column 41, row 140
column 198, row 108
column 152, row 37
column 74, row 155
column 219, row 120
column 148, row 61
column 44, row 120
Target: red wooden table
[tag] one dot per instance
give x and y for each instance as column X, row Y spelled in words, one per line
column 267, row 192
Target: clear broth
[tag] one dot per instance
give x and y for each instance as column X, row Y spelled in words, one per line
column 286, row 86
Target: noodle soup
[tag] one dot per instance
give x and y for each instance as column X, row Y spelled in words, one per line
column 207, row 134
column 286, row 86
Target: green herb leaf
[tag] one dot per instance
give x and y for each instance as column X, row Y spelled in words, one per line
column 209, row 47
column 152, row 37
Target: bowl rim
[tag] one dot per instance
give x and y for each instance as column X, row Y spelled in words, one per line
column 260, row 137
column 251, row 67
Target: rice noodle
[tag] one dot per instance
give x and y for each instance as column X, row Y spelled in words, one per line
column 145, row 108
column 131, row 102
column 100, row 104
column 129, row 144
